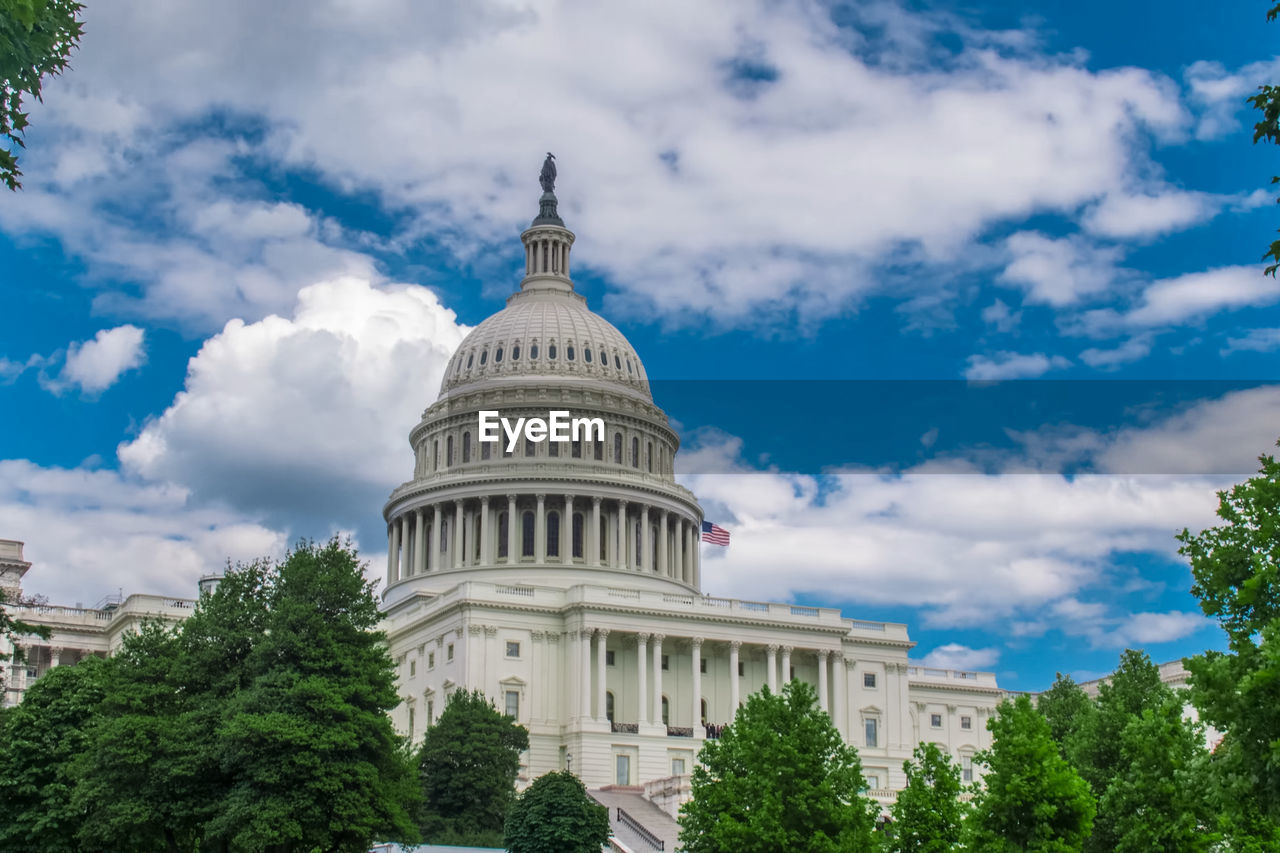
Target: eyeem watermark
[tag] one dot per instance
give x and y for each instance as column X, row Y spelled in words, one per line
column 557, row 426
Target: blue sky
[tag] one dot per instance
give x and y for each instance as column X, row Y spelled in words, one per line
column 250, row 237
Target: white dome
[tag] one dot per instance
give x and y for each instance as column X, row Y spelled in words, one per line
column 549, row 333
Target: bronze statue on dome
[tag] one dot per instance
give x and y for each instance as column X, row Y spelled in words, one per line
column 548, row 175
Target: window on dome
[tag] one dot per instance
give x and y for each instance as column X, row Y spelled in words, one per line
column 568, row 351
column 639, row 551
column 435, row 454
column 628, row 363
column 617, row 447
column 551, row 352
column 577, row 448
column 444, row 535
column 470, row 358
column 484, row 450
column 448, row 451
column 466, row 447
column 635, row 452
column 503, row 543
column 526, row 534
column 648, row 456
column 533, row 351
column 602, row 536
column 515, row 353
column 586, row 354
column 579, row 521
column 617, row 362
column 530, row 448
column 484, row 356
column 553, row 534
column 653, row 538
column 497, row 356
column 599, row 450
column 553, row 448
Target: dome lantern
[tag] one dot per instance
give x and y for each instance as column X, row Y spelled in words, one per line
column 546, row 240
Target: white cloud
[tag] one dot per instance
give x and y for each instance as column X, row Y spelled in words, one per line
column 1124, row 216
column 1256, row 340
column 91, row 533
column 305, row 416
column 957, row 656
column 95, row 365
column 1137, row 347
column 1187, row 298
column 1058, row 271
column 701, row 198
column 998, row 314
column 1219, row 95
column 1012, row 365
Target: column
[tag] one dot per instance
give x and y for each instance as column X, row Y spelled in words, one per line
column 696, row 644
column 786, row 665
column 55, row 657
column 622, row 535
column 771, row 668
column 391, row 553
column 822, row 680
column 593, row 557
column 566, row 531
column 664, row 545
column 695, row 549
column 677, row 540
column 433, row 554
column 646, row 549
column 657, row 678
column 396, row 527
column 733, row 678
column 466, row 542
column 584, row 654
column 485, row 545
column 642, row 665
column 840, row 675
column 513, row 547
column 420, row 542
column 601, row 636
column 540, row 530
column 457, row 541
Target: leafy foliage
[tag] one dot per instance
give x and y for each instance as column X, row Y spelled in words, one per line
column 928, row 816
column 1267, row 102
column 14, row 630
column 36, row 39
column 1067, row 709
column 1236, row 566
column 468, row 764
column 39, row 742
column 1032, row 799
column 779, row 778
column 555, row 815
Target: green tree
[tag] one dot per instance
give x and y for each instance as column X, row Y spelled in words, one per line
column 1236, row 567
column 1067, row 708
column 13, row 630
column 928, row 816
column 39, row 742
column 36, row 39
column 313, row 758
column 1031, row 799
column 779, row 778
column 555, row 815
column 1267, row 102
column 1158, row 799
column 468, row 764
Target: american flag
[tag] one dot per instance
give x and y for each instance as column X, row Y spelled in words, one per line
column 714, row 533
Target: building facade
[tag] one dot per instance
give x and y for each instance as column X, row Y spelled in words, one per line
column 564, row 578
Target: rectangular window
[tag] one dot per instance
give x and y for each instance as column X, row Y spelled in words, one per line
column 513, row 649
column 413, row 670
column 513, row 704
column 869, row 680
column 873, row 781
column 966, row 768
column 448, row 652
column 935, row 720
column 623, row 766
column 608, row 657
column 741, row 668
column 431, row 712
column 703, row 662
column 677, row 767
column 966, row 722
column 431, row 660
column 410, row 724
column 872, row 726
column 666, row 663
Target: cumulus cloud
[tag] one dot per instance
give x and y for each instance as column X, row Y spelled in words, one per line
column 1186, row 298
column 957, row 656
column 95, row 365
column 305, row 417
column 1058, row 271
column 1255, row 340
column 91, row 533
column 1219, row 94
column 708, row 191
column 1137, row 347
column 1012, row 365
column 999, row 315
column 1124, row 215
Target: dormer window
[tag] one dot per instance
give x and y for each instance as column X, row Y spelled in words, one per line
column 497, row 356
column 533, row 351
column 471, row 356
column 569, row 352
column 484, row 356
column 551, row 352
column 617, row 362
column 586, row 354
column 515, row 353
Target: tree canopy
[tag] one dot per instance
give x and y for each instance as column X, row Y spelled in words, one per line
column 36, row 40
column 468, row 764
column 780, row 777
column 555, row 815
column 928, row 816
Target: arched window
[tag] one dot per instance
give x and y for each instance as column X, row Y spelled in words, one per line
column 526, row 534
column 553, row 448
column 599, row 450
column 653, row 538
column 484, row 356
column 471, row 356
column 497, row 356
column 530, row 448
column 578, row 526
column 568, row 351
column 503, row 544
column 628, row 364
column 617, row 447
column 466, row 447
column 602, row 536
column 444, row 535
column 648, row 456
column 553, row 534
column 435, row 454
column 551, row 351
column 475, row 539
column 515, row 353
column 485, row 450
column 577, row 448
column 639, row 552
column 666, row 712
column 533, row 351
column 617, row 362
column 586, row 354
column 448, row 451
column 608, row 705
column 635, row 452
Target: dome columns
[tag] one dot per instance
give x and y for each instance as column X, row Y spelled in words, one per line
column 546, row 258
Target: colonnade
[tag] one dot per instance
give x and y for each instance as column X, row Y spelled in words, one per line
column 543, row 529
column 649, row 696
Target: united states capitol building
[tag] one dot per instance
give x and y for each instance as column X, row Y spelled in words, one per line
column 564, row 579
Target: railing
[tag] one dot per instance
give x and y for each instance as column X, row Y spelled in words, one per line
column 868, row 626
column 507, row 589
column 753, row 605
column 625, row 728
column 679, row 731
column 803, row 611
column 615, row 592
column 654, row 842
